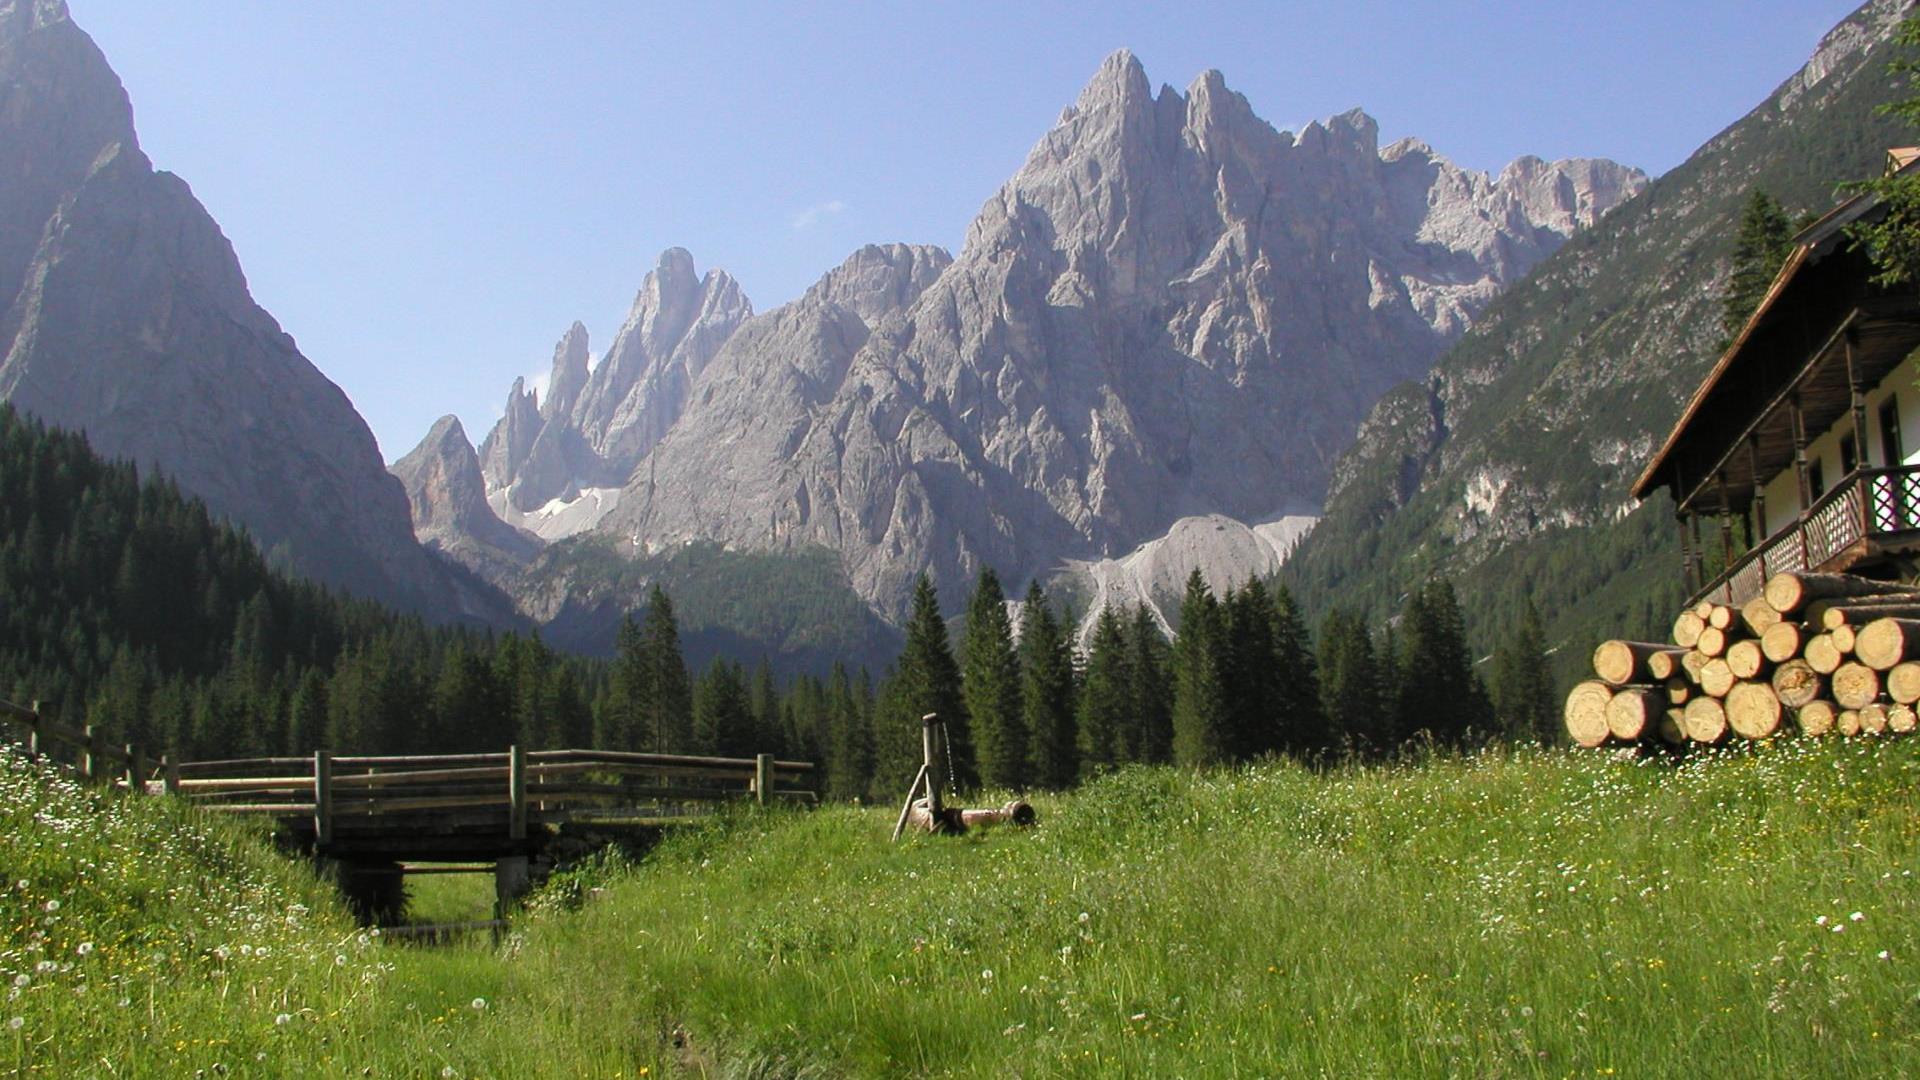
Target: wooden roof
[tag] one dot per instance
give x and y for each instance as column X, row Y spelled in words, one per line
column 1820, row 317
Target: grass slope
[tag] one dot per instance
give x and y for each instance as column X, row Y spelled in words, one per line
column 1527, row 914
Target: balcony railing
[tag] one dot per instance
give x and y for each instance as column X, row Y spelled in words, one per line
column 1830, row 535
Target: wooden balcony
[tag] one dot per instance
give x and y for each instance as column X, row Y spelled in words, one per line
column 1860, row 522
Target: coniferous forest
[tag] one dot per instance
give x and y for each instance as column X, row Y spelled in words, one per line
column 130, row 607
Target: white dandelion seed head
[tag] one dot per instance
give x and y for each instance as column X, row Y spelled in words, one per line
column 85, row 948
column 478, row 1004
column 16, row 1023
column 52, row 906
column 281, row 1020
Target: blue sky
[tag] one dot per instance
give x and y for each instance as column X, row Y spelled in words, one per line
column 426, row 194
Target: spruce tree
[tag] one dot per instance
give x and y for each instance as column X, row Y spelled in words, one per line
column 667, row 704
column 1105, row 711
column 926, row 681
column 622, row 723
column 1047, row 692
column 1251, row 673
column 1350, row 685
column 1149, row 736
column 1439, row 691
column 1301, row 724
column 849, row 756
column 1200, row 717
column 1524, row 697
column 723, row 712
column 1763, row 242
column 990, row 682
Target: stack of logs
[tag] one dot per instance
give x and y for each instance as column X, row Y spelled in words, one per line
column 1822, row 652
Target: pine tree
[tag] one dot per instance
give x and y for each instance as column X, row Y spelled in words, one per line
column 723, row 712
column 849, row 757
column 1523, row 691
column 667, row 699
column 1440, row 693
column 1200, row 718
column 622, row 722
column 927, row 680
column 1762, row 244
column 1301, row 724
column 990, row 682
column 764, row 699
column 1349, row 685
column 1047, row 693
column 1105, row 711
column 1250, row 673
column 1149, row 737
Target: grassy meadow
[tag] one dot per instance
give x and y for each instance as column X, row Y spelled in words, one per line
column 1530, row 913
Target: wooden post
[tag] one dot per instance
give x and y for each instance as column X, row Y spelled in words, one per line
column 1686, row 553
column 136, row 769
column 936, row 761
column 1859, row 404
column 1800, row 451
column 1759, row 515
column 1699, row 553
column 322, row 797
column 762, row 778
column 33, row 733
column 516, row 793
column 170, row 765
column 89, row 747
column 1726, row 526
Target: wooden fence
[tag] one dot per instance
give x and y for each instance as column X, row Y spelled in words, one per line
column 544, row 787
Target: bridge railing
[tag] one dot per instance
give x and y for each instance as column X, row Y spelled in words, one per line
column 518, row 786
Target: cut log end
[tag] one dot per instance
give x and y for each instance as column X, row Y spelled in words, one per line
column 1586, row 713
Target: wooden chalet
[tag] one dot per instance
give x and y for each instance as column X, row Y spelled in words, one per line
column 1807, row 431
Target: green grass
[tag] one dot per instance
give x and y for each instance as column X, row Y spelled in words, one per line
column 1527, row 914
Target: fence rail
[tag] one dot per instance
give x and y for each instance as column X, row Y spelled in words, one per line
column 511, row 789
column 1864, row 504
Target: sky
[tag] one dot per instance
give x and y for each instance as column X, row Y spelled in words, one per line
column 427, row 194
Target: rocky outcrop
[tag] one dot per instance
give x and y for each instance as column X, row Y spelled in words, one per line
column 1172, row 310
column 1508, row 466
column 127, row 317
column 597, row 423
column 448, row 497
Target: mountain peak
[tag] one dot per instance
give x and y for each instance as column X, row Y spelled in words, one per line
column 1121, row 80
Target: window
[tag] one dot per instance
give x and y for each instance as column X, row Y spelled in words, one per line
column 1848, row 459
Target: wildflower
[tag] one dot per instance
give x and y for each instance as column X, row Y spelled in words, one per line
column 1856, row 916
column 986, row 973
column 446, row 1070
column 281, row 1020
column 16, row 1023
column 85, row 949
column 1884, row 955
column 1084, row 917
column 479, row 1004
column 22, row 981
column 53, row 906
column 1821, row 921
column 1839, row 926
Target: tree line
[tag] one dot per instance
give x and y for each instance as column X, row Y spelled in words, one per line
column 127, row 605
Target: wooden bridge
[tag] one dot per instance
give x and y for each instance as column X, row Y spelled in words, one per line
column 384, row 816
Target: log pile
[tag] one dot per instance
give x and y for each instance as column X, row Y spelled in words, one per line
column 1816, row 653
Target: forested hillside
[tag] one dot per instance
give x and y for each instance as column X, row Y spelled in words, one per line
column 1507, row 470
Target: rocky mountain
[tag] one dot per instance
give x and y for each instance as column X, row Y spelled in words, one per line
column 1172, row 310
column 127, row 317
column 448, row 497
column 1508, row 466
column 596, row 425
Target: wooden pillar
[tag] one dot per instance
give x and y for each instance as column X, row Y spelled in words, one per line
column 1757, row 512
column 1859, row 402
column 33, row 733
column 322, row 797
column 516, row 793
column 136, row 769
column 762, row 778
column 511, row 880
column 1800, row 452
column 170, row 769
column 936, row 761
column 1689, row 569
column 1726, row 525
column 89, row 752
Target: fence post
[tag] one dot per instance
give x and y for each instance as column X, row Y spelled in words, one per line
column 170, row 765
column 762, row 778
column 89, row 746
column 516, row 793
column 322, row 797
column 33, row 733
column 136, row 769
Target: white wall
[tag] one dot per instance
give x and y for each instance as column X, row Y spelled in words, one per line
column 1783, row 491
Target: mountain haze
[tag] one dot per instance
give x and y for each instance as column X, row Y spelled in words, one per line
column 1508, row 467
column 1172, row 310
column 127, row 317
